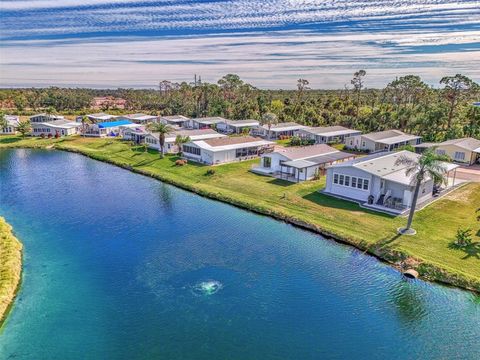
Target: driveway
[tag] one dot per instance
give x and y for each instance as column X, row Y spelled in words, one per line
column 470, row 173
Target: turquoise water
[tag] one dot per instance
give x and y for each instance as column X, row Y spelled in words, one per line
column 120, row 266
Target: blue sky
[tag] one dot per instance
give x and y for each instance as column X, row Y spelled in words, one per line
column 128, row 43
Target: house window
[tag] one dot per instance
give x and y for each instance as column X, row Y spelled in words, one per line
column 191, row 150
column 363, row 143
column 267, row 162
column 365, row 184
column 354, row 181
column 459, row 155
column 347, row 180
column 335, row 178
column 440, row 152
column 351, row 142
column 342, row 178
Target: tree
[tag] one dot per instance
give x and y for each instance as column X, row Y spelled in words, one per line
column 428, row 165
column 3, row 121
column 85, row 123
column 24, row 127
column 455, row 90
column 357, row 83
column 180, row 141
column 269, row 119
column 162, row 130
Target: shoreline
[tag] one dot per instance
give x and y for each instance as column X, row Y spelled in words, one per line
column 11, row 269
column 401, row 260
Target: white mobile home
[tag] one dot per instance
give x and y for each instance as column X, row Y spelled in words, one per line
column 110, row 128
column 300, row 163
column 378, row 182
column 101, row 117
column 56, row 128
column 227, row 149
column 382, row 141
column 139, row 118
column 205, row 123
column 237, row 126
column 44, row 118
column 176, row 120
column 152, row 139
column 464, row 151
column 327, row 134
column 277, row 131
column 12, row 124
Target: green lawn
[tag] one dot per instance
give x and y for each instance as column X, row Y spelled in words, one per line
column 302, row 203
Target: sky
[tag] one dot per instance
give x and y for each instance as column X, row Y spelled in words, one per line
column 269, row 43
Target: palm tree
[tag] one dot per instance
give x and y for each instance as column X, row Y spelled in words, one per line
column 24, row 127
column 3, row 121
column 428, row 165
column 179, row 141
column 162, row 130
column 85, row 122
column 269, row 119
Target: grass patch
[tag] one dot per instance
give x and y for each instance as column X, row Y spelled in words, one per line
column 10, row 267
column 302, row 204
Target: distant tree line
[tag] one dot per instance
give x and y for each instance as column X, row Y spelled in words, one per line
column 406, row 103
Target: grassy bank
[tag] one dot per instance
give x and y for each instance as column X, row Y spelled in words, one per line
column 303, row 205
column 10, row 267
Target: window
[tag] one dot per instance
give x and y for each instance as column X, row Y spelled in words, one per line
column 359, row 183
column 191, row 150
column 459, row 155
column 267, row 162
column 363, row 143
column 440, row 152
column 351, row 181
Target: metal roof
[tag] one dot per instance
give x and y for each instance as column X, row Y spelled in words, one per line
column 110, row 124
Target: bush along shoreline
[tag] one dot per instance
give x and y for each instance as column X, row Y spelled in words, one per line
column 10, row 268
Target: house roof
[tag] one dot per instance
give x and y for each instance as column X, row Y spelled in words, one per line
column 240, row 123
column 194, row 134
column 284, row 126
column 303, row 152
column 469, row 144
column 209, row 120
column 65, row 124
column 12, row 120
column 384, row 165
column 110, row 124
column 101, row 116
column 231, row 143
column 390, row 137
column 140, row 117
column 331, row 130
column 317, row 160
column 175, row 118
column 49, row 115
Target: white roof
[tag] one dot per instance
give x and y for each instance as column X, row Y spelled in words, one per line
column 331, row 131
column 284, row 127
column 390, row 137
column 12, row 120
column 59, row 124
column 242, row 123
column 175, row 118
column 101, row 116
column 209, row 120
column 140, row 117
column 233, row 146
column 384, row 165
column 194, row 135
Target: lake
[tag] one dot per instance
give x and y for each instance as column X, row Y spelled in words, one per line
column 121, row 266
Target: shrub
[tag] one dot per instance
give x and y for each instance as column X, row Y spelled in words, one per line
column 49, row 136
column 42, row 136
column 57, row 135
column 463, row 238
column 210, row 172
